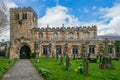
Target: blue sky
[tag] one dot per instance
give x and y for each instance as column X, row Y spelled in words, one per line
column 85, row 10
column 105, row 14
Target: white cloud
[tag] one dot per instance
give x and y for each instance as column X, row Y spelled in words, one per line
column 56, row 16
column 113, row 15
column 60, row 14
column 11, row 5
column 112, row 12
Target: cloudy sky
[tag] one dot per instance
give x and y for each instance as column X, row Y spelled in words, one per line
column 105, row 14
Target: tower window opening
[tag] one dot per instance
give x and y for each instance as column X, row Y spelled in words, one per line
column 24, row 15
column 17, row 16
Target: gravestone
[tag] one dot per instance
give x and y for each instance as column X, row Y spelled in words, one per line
column 106, row 60
column 48, row 55
column 85, row 59
column 37, row 57
column 49, row 50
column 61, row 59
column 56, row 56
column 67, row 62
column 85, row 66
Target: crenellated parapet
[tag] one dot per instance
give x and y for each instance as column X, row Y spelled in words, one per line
column 76, row 28
column 17, row 9
column 60, row 33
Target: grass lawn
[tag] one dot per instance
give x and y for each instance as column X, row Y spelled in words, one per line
column 55, row 71
column 5, row 64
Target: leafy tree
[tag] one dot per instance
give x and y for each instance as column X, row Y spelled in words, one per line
column 3, row 16
column 117, row 47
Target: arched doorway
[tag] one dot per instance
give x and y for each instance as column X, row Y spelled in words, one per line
column 25, row 52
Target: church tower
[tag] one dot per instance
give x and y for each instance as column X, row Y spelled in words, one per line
column 22, row 20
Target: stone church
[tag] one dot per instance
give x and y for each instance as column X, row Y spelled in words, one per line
column 26, row 37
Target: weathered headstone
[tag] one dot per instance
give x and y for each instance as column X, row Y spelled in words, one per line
column 56, row 56
column 67, row 62
column 49, row 51
column 106, row 60
column 85, row 59
column 47, row 56
column 61, row 59
column 85, row 66
column 37, row 57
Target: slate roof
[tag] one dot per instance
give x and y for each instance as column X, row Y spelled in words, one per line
column 109, row 37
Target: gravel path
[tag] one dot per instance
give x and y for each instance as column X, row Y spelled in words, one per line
column 22, row 70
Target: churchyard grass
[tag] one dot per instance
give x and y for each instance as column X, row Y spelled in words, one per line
column 5, row 64
column 52, row 70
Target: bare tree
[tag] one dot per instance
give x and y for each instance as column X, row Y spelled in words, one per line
column 3, row 16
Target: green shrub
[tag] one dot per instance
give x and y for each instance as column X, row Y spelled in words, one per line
column 44, row 72
column 6, row 67
column 5, row 64
column 33, row 55
column 79, row 68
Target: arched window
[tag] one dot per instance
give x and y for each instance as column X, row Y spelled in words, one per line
column 35, row 34
column 110, row 49
column 92, row 49
column 40, row 35
column 71, row 35
column 46, row 50
column 56, row 35
column 17, row 16
column 24, row 15
column 75, row 50
column 63, row 35
column 86, row 35
column 58, row 49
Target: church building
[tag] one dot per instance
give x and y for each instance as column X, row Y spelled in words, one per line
column 26, row 37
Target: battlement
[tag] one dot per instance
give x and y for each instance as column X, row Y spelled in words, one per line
column 24, row 8
column 63, row 28
column 17, row 9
